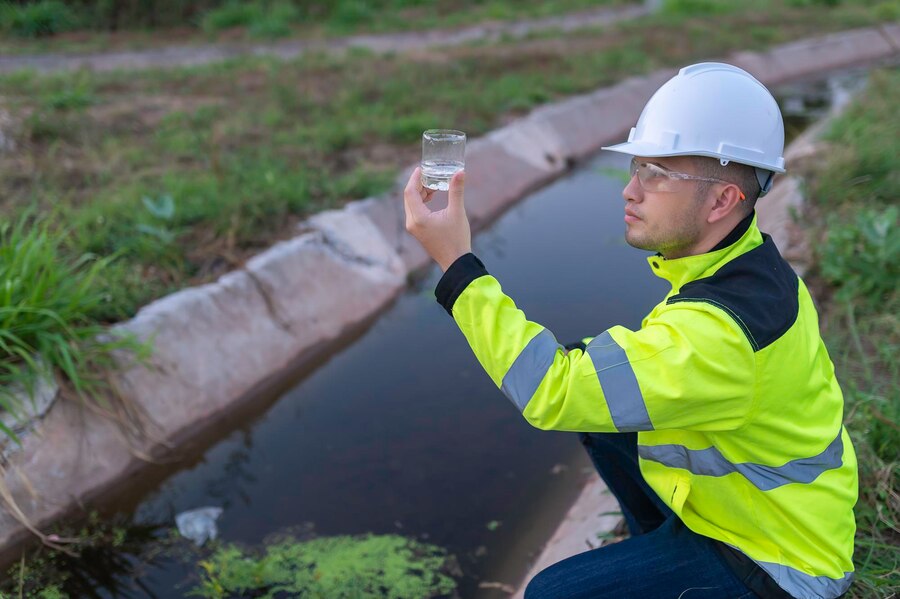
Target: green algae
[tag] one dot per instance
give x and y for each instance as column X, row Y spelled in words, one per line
column 339, row 567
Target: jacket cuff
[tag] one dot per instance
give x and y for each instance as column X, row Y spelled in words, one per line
column 463, row 271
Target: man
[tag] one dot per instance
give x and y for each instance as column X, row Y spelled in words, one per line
column 717, row 425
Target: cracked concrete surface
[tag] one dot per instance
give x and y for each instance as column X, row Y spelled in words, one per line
column 215, row 343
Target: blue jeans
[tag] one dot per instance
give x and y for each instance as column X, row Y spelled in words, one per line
column 662, row 559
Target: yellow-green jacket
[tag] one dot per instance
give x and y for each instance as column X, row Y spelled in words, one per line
column 729, row 385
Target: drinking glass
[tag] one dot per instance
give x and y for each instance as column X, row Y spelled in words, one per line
column 443, row 154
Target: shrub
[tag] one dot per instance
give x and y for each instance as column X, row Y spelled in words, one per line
column 232, row 14
column 37, row 19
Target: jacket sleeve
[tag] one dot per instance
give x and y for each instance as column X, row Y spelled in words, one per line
column 690, row 367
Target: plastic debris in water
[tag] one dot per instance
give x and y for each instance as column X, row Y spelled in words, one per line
column 198, row 525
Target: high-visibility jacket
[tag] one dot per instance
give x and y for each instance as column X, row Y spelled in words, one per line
column 730, row 387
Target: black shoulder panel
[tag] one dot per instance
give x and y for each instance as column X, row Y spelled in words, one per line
column 757, row 289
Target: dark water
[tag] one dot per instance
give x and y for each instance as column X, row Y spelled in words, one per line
column 402, row 431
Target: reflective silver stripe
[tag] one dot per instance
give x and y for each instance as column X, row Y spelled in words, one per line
column 525, row 375
column 806, row 586
column 802, row 585
column 620, row 386
column 711, row 462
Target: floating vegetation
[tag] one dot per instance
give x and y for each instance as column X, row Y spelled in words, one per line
column 384, row 566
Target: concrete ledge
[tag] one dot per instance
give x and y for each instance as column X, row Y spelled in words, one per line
column 589, row 518
column 215, row 343
column 891, row 33
column 830, row 52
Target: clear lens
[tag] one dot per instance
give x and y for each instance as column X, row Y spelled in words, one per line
column 652, row 178
column 656, row 178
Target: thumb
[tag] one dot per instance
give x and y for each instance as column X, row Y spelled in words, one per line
column 457, row 191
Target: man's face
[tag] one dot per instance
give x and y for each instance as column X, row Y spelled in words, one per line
column 669, row 222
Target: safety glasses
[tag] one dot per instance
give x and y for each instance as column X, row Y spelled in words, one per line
column 653, row 177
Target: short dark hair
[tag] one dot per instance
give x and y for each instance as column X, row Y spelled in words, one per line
column 742, row 175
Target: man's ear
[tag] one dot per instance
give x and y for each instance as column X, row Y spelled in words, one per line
column 726, row 202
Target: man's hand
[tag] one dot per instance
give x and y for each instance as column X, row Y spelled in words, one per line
column 444, row 234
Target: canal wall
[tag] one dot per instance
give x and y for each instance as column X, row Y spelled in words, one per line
column 218, row 346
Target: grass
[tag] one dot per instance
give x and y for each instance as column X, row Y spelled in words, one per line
column 244, row 150
column 854, row 193
column 152, row 25
column 48, row 329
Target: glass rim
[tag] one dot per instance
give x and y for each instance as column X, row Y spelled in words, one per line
column 443, row 132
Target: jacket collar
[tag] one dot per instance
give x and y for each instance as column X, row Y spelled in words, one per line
column 680, row 271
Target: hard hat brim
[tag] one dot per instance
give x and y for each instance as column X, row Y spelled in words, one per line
column 653, row 151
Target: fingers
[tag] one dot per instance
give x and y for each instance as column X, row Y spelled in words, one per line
column 414, row 185
column 413, row 200
column 457, row 191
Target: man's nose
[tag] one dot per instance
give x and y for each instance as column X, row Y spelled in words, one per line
column 633, row 191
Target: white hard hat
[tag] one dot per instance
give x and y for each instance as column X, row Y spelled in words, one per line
column 712, row 109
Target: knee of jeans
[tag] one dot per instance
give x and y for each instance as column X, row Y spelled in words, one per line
column 542, row 586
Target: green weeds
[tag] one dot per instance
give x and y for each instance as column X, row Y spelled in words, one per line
column 866, row 143
column 48, row 308
column 857, row 189
column 861, row 257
